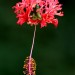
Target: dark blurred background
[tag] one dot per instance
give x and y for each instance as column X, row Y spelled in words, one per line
column 54, row 49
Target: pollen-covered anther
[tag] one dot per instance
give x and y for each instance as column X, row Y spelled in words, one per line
column 29, row 64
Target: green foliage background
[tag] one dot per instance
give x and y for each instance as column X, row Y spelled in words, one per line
column 54, row 49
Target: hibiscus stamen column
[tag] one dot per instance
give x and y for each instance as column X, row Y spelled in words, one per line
column 33, row 42
column 30, row 57
column 30, row 65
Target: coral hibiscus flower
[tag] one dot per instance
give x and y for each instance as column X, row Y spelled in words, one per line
column 36, row 12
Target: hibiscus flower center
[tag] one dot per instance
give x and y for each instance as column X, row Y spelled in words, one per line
column 35, row 15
